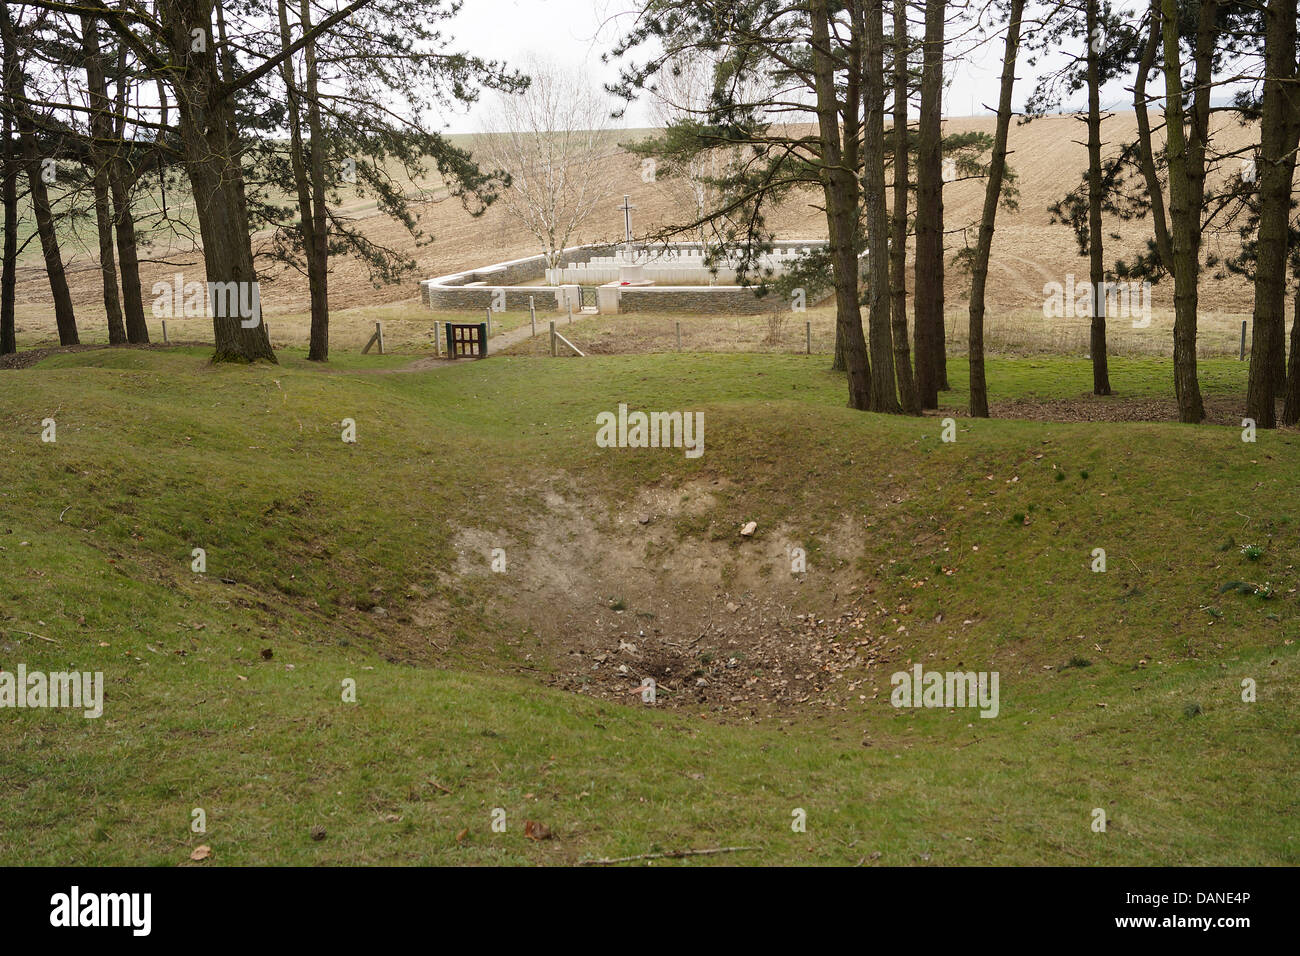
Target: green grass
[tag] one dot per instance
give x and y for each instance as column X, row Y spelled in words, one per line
column 158, row 453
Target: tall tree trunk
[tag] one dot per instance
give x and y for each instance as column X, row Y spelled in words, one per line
column 839, row 184
column 297, row 162
column 101, row 133
column 107, row 261
column 1278, row 131
column 883, row 384
column 1184, row 213
column 64, row 316
column 979, row 396
column 32, row 161
column 212, row 161
column 1277, row 348
column 120, row 180
column 1096, row 264
column 318, row 255
column 927, row 312
column 898, row 251
column 310, row 189
column 9, row 258
column 1146, row 152
column 1291, row 408
column 128, row 256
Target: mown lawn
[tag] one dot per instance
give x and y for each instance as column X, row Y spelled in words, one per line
column 305, row 536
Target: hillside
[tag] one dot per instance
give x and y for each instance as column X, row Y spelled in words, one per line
column 1047, row 156
column 371, row 562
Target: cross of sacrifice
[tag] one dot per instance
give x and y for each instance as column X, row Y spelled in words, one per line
column 627, row 208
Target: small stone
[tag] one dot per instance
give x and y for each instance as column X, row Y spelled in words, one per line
column 749, row 529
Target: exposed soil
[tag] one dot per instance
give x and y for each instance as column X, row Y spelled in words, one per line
column 1219, row 410
column 719, row 621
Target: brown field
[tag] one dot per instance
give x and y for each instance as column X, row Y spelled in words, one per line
column 1047, row 156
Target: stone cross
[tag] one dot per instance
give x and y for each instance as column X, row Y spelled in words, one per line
column 627, row 208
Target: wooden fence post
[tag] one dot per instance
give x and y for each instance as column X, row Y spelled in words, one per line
column 553, row 352
column 532, row 314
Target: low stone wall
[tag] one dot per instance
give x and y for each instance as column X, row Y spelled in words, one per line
column 477, row 298
column 698, row 300
column 494, row 287
column 479, row 289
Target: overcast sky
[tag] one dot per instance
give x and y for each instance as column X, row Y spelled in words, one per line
column 577, row 32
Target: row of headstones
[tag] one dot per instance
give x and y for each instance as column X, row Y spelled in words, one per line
column 586, row 274
column 779, row 255
column 675, row 265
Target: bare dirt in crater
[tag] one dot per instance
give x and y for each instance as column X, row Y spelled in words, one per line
column 719, row 621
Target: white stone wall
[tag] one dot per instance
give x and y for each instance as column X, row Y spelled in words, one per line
column 680, row 265
column 667, row 267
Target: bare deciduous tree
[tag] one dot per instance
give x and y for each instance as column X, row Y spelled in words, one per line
column 553, row 140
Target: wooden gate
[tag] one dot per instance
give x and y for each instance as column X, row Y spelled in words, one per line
column 467, row 340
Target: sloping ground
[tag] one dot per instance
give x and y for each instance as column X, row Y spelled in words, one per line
column 1029, row 251
column 1021, row 333
column 372, row 563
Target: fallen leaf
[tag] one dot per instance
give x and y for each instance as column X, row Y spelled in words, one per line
column 536, row 831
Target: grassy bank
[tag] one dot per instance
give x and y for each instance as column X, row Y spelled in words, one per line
column 1120, row 691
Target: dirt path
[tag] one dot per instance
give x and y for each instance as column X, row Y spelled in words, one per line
column 496, row 344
